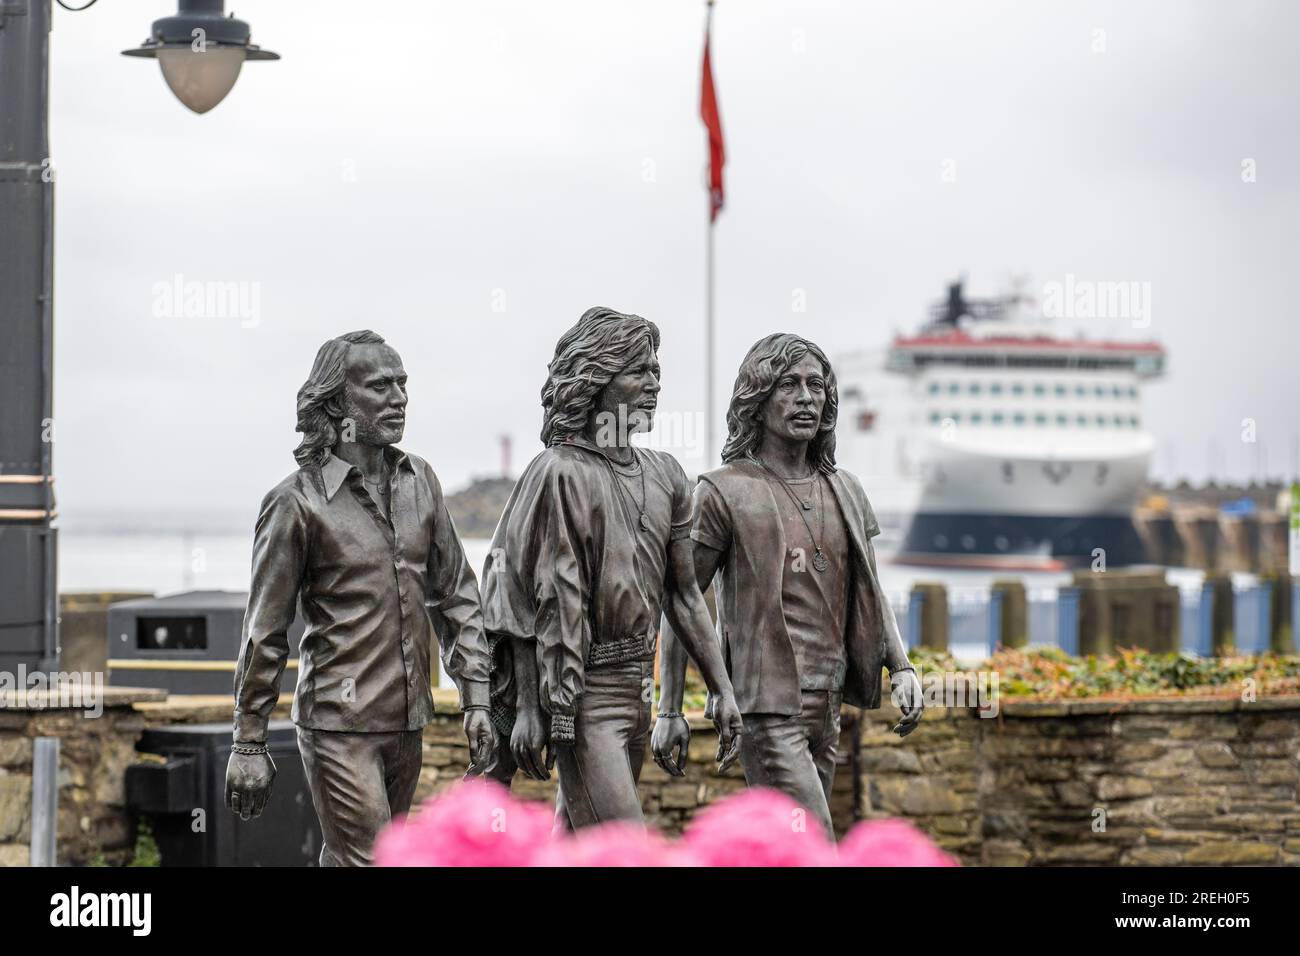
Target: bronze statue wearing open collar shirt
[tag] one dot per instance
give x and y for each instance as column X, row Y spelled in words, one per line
column 368, row 589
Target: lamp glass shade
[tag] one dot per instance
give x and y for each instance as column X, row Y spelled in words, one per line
column 201, row 80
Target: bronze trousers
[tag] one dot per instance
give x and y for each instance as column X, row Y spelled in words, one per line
column 796, row 755
column 599, row 773
column 359, row 782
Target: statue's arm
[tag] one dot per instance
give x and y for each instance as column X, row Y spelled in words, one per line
column 672, row 650
column 562, row 627
column 906, row 686
column 279, row 563
column 453, row 594
column 895, row 651
column 528, row 739
column 688, row 625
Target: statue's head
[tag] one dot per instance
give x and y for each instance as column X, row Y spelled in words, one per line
column 785, row 386
column 605, row 369
column 356, row 392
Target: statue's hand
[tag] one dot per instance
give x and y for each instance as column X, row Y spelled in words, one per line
column 527, row 742
column 726, row 718
column 248, row 783
column 906, row 694
column 482, row 737
column 671, row 733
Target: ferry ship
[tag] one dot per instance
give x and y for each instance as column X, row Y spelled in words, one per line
column 986, row 441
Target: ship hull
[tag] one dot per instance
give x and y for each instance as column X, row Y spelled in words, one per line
column 1061, row 507
column 1018, row 541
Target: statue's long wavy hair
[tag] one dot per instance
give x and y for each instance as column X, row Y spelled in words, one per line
column 762, row 368
column 320, row 431
column 587, row 358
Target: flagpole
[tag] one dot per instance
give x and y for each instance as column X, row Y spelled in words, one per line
column 708, row 299
column 708, row 347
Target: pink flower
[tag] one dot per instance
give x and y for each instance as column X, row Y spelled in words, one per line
column 757, row 828
column 611, row 844
column 474, row 823
column 891, row 842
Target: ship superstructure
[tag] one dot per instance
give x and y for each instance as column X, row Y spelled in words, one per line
column 996, row 442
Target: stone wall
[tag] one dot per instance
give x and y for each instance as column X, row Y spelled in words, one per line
column 93, row 756
column 1139, row 782
column 1158, row 781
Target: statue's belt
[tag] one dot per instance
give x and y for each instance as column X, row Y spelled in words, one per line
column 638, row 647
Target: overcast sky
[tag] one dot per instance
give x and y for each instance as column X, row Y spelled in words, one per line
column 467, row 178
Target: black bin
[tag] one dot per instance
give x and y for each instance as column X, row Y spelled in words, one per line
column 192, row 778
column 185, row 643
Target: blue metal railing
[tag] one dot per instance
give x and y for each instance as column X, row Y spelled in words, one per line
column 1251, row 615
column 913, row 631
column 1043, row 622
column 1067, row 620
column 1194, row 607
column 975, row 621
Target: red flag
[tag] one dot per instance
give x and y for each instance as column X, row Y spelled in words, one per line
column 713, row 123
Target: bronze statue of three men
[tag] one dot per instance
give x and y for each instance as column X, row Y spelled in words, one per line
column 601, row 543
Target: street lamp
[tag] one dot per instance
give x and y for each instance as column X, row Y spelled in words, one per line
column 200, row 51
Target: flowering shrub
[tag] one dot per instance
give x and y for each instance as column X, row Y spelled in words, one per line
column 1050, row 673
column 478, row 823
column 474, row 823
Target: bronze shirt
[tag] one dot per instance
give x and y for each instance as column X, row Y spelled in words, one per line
column 367, row 585
column 571, row 568
column 742, row 521
column 815, row 603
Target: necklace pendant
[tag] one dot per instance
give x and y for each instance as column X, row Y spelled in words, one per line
column 819, row 561
column 645, row 522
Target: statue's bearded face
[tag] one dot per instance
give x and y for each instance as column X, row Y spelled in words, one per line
column 374, row 396
column 793, row 410
column 632, row 395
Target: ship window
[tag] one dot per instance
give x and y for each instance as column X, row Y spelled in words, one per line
column 1119, row 419
column 956, row 417
column 934, row 388
column 1133, row 420
column 975, row 388
column 996, row 418
column 934, row 418
column 976, row 418
column 1101, row 419
column 995, row 388
column 1060, row 391
column 1062, row 419
column 1080, row 391
column 1018, row 418
column 954, row 388
column 1017, row 389
column 1082, row 419
column 1132, row 392
column 1040, row 388
column 1040, row 419
column 1119, row 392
column 1101, row 391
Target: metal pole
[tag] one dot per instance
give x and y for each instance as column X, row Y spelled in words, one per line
column 45, row 801
column 708, row 301
column 28, row 589
column 708, row 352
